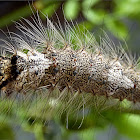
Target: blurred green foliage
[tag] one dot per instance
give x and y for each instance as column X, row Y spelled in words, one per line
column 112, row 15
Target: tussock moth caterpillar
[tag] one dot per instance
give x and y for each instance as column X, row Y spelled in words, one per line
column 77, row 70
column 64, row 71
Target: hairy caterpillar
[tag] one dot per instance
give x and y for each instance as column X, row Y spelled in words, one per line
column 98, row 73
column 74, row 70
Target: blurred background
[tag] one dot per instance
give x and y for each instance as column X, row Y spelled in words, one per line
column 121, row 20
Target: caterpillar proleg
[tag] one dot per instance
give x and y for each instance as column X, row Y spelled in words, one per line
column 62, row 70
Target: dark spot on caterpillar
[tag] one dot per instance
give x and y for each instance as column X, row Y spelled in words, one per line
column 14, row 71
column 17, row 72
column 74, row 72
column 54, row 58
column 73, row 55
column 36, row 72
column 134, row 85
column 4, row 58
column 93, row 92
column 111, row 90
column 4, row 83
column 1, row 74
column 54, row 54
column 89, row 77
column 14, row 59
column 68, row 79
column 55, row 70
column 104, row 81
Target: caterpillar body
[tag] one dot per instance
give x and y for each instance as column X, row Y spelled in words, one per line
column 73, row 68
column 78, row 70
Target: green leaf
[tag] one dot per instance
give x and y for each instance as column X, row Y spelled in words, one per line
column 94, row 16
column 129, row 124
column 128, row 8
column 85, row 25
column 116, row 27
column 87, row 4
column 6, row 132
column 49, row 10
column 71, row 9
column 87, row 134
column 17, row 14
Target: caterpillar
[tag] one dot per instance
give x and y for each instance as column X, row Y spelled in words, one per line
column 66, row 69
column 100, row 72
